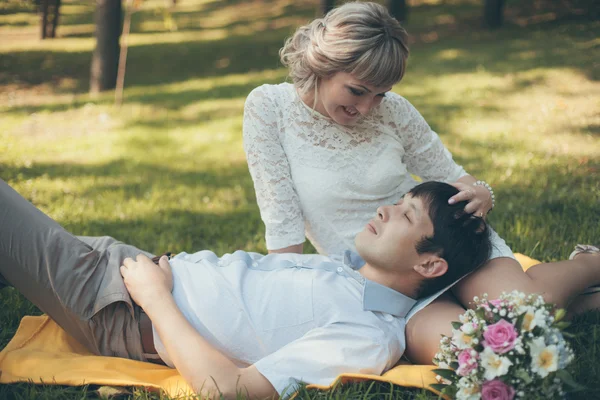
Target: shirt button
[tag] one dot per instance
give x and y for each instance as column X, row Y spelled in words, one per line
column 340, row 269
column 254, row 264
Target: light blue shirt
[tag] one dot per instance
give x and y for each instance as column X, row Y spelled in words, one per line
column 297, row 318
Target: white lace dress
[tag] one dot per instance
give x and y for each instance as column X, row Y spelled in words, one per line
column 313, row 176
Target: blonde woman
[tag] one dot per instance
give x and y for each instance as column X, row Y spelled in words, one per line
column 327, row 149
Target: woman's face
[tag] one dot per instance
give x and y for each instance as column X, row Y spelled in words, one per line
column 345, row 99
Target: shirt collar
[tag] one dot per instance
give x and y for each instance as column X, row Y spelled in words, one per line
column 353, row 260
column 381, row 298
column 377, row 297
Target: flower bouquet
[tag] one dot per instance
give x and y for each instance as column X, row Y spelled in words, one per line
column 511, row 347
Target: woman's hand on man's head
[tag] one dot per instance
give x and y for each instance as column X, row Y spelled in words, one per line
column 479, row 198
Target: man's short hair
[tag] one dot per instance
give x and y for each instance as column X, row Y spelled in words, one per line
column 460, row 238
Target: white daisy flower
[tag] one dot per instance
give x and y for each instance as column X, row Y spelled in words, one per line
column 533, row 318
column 468, row 328
column 544, row 359
column 493, row 364
column 461, row 340
column 467, row 390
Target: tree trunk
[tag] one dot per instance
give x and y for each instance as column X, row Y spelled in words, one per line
column 105, row 59
column 493, row 13
column 123, row 56
column 326, row 6
column 55, row 15
column 43, row 17
column 398, row 9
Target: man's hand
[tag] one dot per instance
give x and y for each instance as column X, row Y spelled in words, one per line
column 146, row 281
column 208, row 371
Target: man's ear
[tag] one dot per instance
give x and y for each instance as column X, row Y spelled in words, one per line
column 431, row 266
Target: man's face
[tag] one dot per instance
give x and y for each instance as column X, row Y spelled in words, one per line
column 388, row 240
column 345, row 99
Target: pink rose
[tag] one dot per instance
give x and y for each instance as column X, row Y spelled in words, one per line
column 500, row 337
column 465, row 366
column 490, row 304
column 497, row 390
column 496, row 303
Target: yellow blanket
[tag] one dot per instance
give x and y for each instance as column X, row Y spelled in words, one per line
column 42, row 352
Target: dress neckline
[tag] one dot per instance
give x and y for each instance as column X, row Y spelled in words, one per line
column 314, row 113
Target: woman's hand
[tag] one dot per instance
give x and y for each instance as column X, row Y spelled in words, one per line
column 146, row 281
column 478, row 197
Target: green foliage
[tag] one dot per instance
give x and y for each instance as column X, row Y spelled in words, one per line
column 517, row 107
column 445, row 373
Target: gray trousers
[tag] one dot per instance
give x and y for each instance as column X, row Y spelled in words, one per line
column 75, row 280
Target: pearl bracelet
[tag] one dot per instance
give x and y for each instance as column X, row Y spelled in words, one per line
column 489, row 188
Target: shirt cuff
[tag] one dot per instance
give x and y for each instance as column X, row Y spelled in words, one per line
column 284, row 385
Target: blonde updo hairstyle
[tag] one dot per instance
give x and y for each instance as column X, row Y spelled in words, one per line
column 362, row 39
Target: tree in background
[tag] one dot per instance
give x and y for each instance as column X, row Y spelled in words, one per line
column 493, row 13
column 326, row 6
column 105, row 59
column 49, row 11
column 398, row 9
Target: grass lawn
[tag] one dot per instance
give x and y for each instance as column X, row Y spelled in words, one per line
column 518, row 107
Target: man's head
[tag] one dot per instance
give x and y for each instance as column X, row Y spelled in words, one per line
column 424, row 237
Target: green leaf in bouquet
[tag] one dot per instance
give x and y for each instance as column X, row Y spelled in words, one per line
column 456, row 325
column 450, row 391
column 446, row 373
column 440, row 387
column 559, row 314
column 570, row 335
column 568, row 380
column 519, row 322
column 480, row 312
column 454, row 365
column 562, row 325
column 447, row 390
column 523, row 375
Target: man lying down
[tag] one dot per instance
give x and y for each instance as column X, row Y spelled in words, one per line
column 246, row 322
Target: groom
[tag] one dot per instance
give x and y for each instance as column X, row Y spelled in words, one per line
column 245, row 322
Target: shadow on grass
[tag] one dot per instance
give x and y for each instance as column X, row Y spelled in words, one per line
column 593, row 129
column 509, row 50
column 179, row 230
column 169, row 100
column 151, row 64
column 50, row 392
column 185, row 96
column 142, row 174
column 8, row 7
column 188, row 19
column 586, row 328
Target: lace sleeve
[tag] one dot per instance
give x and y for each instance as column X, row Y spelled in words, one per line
column 269, row 167
column 425, row 154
